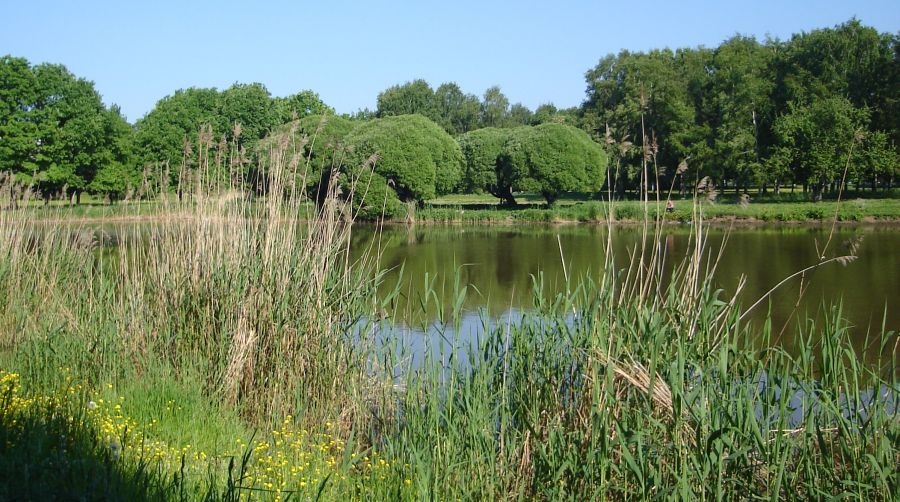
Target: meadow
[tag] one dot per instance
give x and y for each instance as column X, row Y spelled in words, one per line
column 223, row 350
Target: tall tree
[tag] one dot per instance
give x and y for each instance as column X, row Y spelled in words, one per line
column 415, row 156
column 645, row 98
column 250, row 106
column 481, row 149
column 299, row 105
column 411, row 97
column 455, row 111
column 520, row 115
column 494, row 108
column 18, row 121
column 817, row 139
column 175, row 120
column 740, row 93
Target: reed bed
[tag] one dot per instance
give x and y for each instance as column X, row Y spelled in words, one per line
column 225, row 317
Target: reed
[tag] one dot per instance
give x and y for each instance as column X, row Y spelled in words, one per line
column 230, row 312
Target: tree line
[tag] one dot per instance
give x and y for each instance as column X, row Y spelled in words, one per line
column 746, row 114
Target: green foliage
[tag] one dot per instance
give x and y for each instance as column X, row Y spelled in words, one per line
column 300, row 105
column 54, row 129
column 176, row 120
column 728, row 109
column 494, row 108
column 113, row 180
column 246, row 114
column 455, row 111
column 318, row 141
column 407, row 99
column 480, row 149
column 552, row 159
column 416, row 157
column 818, row 139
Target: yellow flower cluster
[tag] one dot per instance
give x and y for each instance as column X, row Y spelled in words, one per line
column 289, row 461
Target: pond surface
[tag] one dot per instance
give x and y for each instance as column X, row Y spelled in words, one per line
column 499, row 262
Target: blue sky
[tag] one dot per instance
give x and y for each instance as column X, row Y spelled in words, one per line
column 537, row 52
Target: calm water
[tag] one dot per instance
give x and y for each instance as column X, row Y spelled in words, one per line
column 498, row 263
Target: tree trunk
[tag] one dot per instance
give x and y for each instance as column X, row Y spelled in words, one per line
column 550, row 198
column 506, row 195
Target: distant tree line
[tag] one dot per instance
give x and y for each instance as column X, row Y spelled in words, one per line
column 745, row 115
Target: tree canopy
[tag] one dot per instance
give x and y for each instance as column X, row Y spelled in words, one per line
column 481, row 149
column 417, row 158
column 552, row 159
column 747, row 113
column 56, row 133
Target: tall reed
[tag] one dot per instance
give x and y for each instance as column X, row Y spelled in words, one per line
column 255, row 293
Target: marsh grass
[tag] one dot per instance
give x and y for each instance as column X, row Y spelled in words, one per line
column 235, row 290
column 225, row 314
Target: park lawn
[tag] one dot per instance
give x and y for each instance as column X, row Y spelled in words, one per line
column 484, row 208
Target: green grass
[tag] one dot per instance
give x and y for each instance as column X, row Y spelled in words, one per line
column 213, row 356
column 463, row 209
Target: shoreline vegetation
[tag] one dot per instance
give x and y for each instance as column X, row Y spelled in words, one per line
column 239, row 358
column 817, row 111
column 477, row 209
column 222, row 352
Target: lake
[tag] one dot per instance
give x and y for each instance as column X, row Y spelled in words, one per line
column 498, row 264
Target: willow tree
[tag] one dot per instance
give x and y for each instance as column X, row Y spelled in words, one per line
column 552, row 159
column 416, row 158
column 481, row 149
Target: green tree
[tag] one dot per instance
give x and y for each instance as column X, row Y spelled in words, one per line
column 18, row 121
column 494, row 108
column 740, row 90
column 552, row 159
column 175, row 120
column 416, row 158
column 520, row 115
column 116, row 171
column 320, row 142
column 76, row 134
column 299, row 105
column 481, row 149
column 545, row 113
column 816, row 140
column 55, row 131
column 250, row 106
column 409, row 98
column 644, row 97
column 455, row 111
column 879, row 161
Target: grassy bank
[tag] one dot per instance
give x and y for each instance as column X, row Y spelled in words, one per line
column 213, row 356
column 786, row 209
column 762, row 208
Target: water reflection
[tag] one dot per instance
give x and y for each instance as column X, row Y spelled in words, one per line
column 500, row 264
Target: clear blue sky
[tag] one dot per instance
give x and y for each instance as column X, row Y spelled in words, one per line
column 136, row 52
